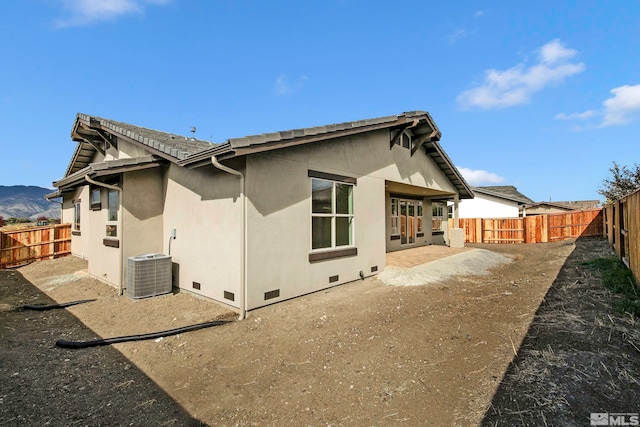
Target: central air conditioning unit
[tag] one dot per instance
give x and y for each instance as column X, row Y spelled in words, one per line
column 148, row 275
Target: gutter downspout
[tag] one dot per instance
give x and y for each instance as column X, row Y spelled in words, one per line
column 243, row 244
column 119, row 190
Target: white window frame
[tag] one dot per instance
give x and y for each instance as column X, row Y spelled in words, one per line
column 438, row 210
column 395, row 217
column 76, row 215
column 95, row 199
column 112, row 222
column 333, row 215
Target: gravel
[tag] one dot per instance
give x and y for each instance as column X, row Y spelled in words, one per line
column 475, row 262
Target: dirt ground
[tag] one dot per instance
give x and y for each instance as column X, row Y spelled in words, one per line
column 534, row 342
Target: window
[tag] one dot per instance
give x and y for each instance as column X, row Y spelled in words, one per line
column 95, row 199
column 438, row 219
column 76, row 215
column 332, row 216
column 406, row 220
column 406, row 140
column 112, row 213
column 394, row 217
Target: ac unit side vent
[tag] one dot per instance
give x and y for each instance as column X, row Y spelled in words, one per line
column 148, row 275
column 374, row 268
column 272, row 294
column 229, row 295
column 334, row 278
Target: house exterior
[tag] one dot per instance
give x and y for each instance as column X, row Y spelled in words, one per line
column 258, row 219
column 540, row 208
column 503, row 201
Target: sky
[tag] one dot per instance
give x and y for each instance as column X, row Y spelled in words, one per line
column 540, row 95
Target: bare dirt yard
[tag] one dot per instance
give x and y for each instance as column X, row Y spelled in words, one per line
column 533, row 342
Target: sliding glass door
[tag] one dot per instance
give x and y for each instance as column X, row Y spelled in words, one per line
column 410, row 219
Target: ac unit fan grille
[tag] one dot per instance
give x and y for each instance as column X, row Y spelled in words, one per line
column 148, row 275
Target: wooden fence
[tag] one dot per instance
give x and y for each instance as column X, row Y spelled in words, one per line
column 622, row 229
column 19, row 247
column 532, row 229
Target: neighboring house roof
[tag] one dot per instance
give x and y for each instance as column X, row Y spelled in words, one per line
column 575, row 205
column 507, row 192
column 95, row 134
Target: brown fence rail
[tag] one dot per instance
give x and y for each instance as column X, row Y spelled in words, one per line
column 19, row 247
column 622, row 228
column 532, row 229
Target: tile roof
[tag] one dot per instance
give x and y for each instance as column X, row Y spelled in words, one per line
column 109, row 167
column 192, row 152
column 174, row 145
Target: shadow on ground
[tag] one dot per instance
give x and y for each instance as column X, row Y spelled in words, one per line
column 578, row 356
column 46, row 385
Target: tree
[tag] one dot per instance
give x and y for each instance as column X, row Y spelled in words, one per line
column 2, row 221
column 622, row 182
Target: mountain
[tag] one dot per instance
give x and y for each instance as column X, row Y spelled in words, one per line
column 22, row 201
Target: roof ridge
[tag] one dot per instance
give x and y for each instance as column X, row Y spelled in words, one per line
column 135, row 132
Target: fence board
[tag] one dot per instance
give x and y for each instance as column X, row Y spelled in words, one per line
column 18, row 247
column 532, row 229
column 622, row 227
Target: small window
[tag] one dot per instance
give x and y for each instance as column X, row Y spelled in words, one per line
column 76, row 215
column 113, row 204
column 332, row 216
column 419, row 218
column 95, row 200
column 406, row 140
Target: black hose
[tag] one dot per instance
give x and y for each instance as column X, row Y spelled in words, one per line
column 107, row 341
column 53, row 306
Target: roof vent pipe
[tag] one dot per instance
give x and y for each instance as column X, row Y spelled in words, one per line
column 243, row 238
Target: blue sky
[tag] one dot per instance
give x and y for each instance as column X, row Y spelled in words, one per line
column 540, row 95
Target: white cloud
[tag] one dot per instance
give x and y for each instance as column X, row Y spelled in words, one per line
column 84, row 12
column 283, row 87
column 457, row 35
column 516, row 85
column 478, row 13
column 576, row 116
column 480, row 177
column 623, row 106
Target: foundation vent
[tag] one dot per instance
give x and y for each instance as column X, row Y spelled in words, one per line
column 334, row 278
column 272, row 294
column 374, row 268
column 229, row 295
column 148, row 275
column 195, row 285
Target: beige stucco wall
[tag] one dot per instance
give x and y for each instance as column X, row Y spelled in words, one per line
column 142, row 206
column 78, row 240
column 125, row 150
column 104, row 261
column 279, row 220
column 204, row 207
